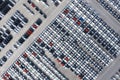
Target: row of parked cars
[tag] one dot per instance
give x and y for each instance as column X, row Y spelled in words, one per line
column 37, row 8
column 5, row 57
column 116, row 76
column 66, row 57
column 111, row 8
column 5, row 33
column 101, row 39
column 33, row 64
column 17, row 21
column 115, row 4
column 5, row 37
column 74, row 39
column 26, row 35
column 5, row 6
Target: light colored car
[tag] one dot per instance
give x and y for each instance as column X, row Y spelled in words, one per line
column 9, row 53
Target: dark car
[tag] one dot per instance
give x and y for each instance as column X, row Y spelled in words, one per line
column 4, row 58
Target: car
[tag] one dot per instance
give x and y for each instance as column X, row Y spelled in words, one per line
column 81, row 19
column 25, row 20
column 7, row 31
column 3, row 35
column 1, row 39
column 41, row 51
column 21, row 40
column 9, row 53
column 20, row 25
column 47, row 47
column 96, row 35
column 52, row 50
column 104, row 43
column 42, row 44
column 4, row 58
column 112, row 50
column 100, row 39
column 12, row 26
column 8, row 39
column 5, row 9
column 44, row 15
column 17, row 21
column 5, row 3
column 25, row 35
column 2, row 45
column 39, row 21
column 41, row 12
column 92, row 32
column 1, row 62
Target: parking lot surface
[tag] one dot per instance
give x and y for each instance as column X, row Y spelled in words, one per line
column 59, row 40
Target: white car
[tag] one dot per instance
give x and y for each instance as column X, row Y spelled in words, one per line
column 9, row 53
